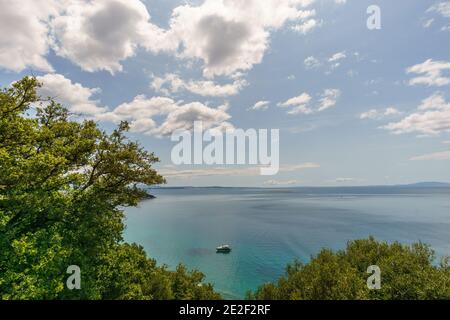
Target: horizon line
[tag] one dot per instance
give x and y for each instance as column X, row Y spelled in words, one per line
column 416, row 184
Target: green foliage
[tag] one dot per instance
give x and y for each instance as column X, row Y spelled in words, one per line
column 62, row 183
column 128, row 274
column 407, row 273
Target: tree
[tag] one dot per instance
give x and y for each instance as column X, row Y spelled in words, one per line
column 407, row 273
column 62, row 183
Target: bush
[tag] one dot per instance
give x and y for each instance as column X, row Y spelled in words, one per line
column 407, row 273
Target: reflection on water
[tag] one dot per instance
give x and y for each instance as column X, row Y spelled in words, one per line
column 269, row 228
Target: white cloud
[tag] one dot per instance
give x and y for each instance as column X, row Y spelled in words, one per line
column 143, row 113
column 298, row 167
column 95, row 35
column 261, row 105
column 184, row 117
column 444, row 155
column 226, row 36
column 146, row 125
column 344, row 180
column 307, row 26
column 391, row 111
column 231, row 171
column 332, row 62
column 98, row 35
column 302, row 99
column 298, row 105
column 24, row 39
column 371, row 114
column 431, row 118
column 281, row 182
column 232, row 35
column 340, row 1
column 311, row 62
column 427, row 23
column 335, row 60
column 329, row 99
column 302, row 104
column 141, row 107
column 430, row 73
column 172, row 83
column 446, row 142
column 306, row 22
column 375, row 114
column 337, row 56
column 218, row 171
column 72, row 95
column 443, row 8
column 435, row 101
column 300, row 109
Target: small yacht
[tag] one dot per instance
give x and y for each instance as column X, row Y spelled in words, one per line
column 223, row 249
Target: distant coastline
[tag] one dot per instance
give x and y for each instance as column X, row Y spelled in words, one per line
column 412, row 185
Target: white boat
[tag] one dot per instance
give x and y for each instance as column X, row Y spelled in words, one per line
column 223, row 249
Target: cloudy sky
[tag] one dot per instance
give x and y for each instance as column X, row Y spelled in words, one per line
column 354, row 106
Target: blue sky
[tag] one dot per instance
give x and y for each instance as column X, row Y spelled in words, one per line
column 372, row 107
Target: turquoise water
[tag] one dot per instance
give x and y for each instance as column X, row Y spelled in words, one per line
column 268, row 228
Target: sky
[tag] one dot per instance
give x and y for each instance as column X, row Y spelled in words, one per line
column 354, row 105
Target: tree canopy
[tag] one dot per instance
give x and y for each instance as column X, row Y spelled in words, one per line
column 407, row 273
column 62, row 184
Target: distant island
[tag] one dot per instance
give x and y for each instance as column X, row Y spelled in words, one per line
column 428, row 185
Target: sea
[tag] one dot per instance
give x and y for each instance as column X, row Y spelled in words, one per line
column 269, row 228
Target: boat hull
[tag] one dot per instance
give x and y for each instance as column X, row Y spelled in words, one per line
column 223, row 251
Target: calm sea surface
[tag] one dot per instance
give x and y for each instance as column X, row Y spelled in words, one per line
column 268, row 228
